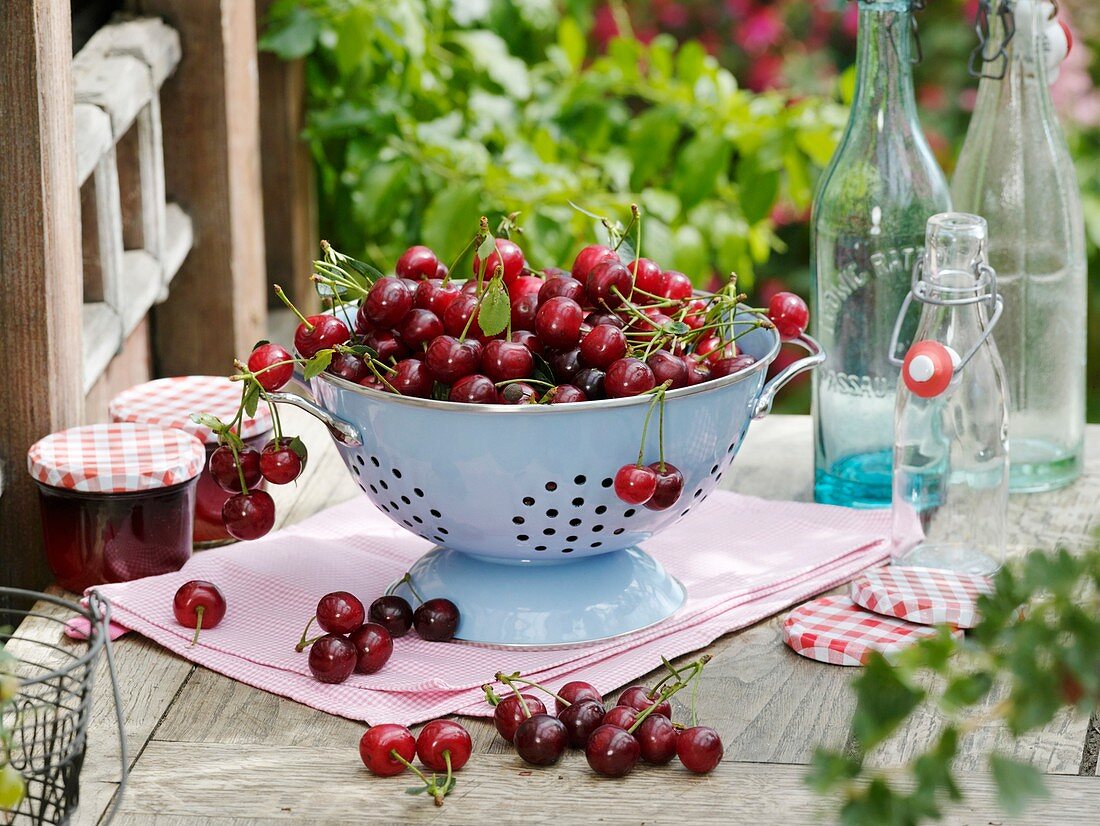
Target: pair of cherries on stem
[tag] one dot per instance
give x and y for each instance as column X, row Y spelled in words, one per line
column 658, row 485
column 434, row 620
column 388, row 749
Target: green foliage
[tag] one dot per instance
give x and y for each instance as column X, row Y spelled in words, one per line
column 1036, row 650
column 425, row 114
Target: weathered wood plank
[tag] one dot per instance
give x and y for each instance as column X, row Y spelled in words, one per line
column 149, row 39
column 179, row 236
column 329, row 784
column 141, row 280
column 120, row 85
column 39, row 263
column 102, row 339
column 102, row 233
column 211, row 153
column 92, row 132
column 131, row 364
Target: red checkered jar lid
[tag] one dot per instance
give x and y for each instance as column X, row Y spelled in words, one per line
column 170, row 403
column 923, row 595
column 116, row 458
column 837, row 631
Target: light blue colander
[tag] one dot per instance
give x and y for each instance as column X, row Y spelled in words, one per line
column 534, row 546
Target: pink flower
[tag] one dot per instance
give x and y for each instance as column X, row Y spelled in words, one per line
column 762, row 29
column 766, row 72
column 849, row 21
column 604, row 27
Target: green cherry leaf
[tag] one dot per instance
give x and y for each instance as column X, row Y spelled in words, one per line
column 416, row 790
column 1016, row 783
column 317, row 365
column 251, row 399
column 299, row 447
column 495, row 310
column 206, row 420
column 543, row 372
column 676, row 328
column 441, row 392
column 488, row 244
column 627, row 253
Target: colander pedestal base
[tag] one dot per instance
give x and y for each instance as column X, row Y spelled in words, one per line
column 536, row 605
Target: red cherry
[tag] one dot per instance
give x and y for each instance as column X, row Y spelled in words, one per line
column 509, row 714
column 507, row 256
column 697, row 314
column 417, row 262
column 558, row 322
column 697, row 373
column 609, row 284
column 377, row 745
column 393, row 613
column 441, row 739
column 279, row 463
column 575, row 691
column 449, row 359
column 594, row 319
column 635, row 485
column 260, row 363
column 373, row 647
column 564, row 286
column 637, row 698
column 541, row 740
column 506, row 360
column 340, row 612
column 589, row 257
column 385, row 344
column 699, row 749
column 612, row 752
column 667, row 367
column 729, row 366
column 565, row 364
column 388, row 302
column 676, row 285
column 590, row 381
column 628, row 377
column 419, row 327
column 790, row 315
column 436, row 620
column 647, row 276
column 528, row 340
column 620, row 716
column 332, row 659
column 524, row 307
column 323, row 333
column 223, row 468
column 249, row 515
column 347, row 366
column 437, row 296
column 526, row 285
column 567, row 394
column 657, row 739
column 474, row 389
column 198, row 604
column 670, row 484
column 603, row 345
column 411, row 377
column 581, row 719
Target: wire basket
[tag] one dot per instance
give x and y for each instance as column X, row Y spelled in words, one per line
column 47, row 721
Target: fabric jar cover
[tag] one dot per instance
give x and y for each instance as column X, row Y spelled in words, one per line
column 170, row 403
column 116, row 458
column 837, row 631
column 923, row 595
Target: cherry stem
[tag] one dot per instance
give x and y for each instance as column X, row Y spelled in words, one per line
column 283, row 297
column 446, row 783
column 661, row 432
column 507, row 680
column 303, row 642
column 410, row 766
column 516, row 678
column 696, row 667
column 479, row 236
column 658, row 395
column 506, row 382
column 199, row 611
column 238, row 465
column 407, row 580
column 491, row 697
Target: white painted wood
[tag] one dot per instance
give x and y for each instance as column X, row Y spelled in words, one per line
column 151, row 166
column 179, row 236
column 102, row 339
column 149, row 39
column 141, row 280
column 122, row 86
column 109, row 230
column 92, row 129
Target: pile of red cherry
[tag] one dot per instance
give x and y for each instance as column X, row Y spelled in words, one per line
column 352, row 642
column 610, row 327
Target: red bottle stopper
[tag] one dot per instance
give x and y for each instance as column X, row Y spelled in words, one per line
column 927, row 369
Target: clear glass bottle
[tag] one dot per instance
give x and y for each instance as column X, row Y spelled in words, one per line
column 1016, row 171
column 950, row 491
column 869, row 213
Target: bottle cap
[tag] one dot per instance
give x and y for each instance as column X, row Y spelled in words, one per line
column 927, row 596
column 116, row 458
column 928, row 368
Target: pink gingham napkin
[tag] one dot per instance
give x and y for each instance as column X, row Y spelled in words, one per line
column 741, row 559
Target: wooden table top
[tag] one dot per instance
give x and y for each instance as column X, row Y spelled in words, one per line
column 205, row 749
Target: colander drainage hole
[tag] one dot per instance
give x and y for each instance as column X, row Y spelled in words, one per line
column 595, row 545
column 418, row 492
column 549, row 531
column 435, row 513
column 551, row 486
column 570, row 539
column 575, row 523
column 618, row 531
column 629, row 512
column 394, row 505
column 406, row 500
column 522, row 537
column 443, row 530
column 540, row 547
column 382, row 482
column 601, row 510
column 374, row 461
column 359, row 459
column 355, row 470
column 685, row 513
column 438, row 539
column 714, row 470
column 518, row 520
column 578, row 502
column 529, row 500
column 396, row 473
column 407, row 523
column 697, row 493
column 597, row 528
column 362, row 488
column 733, row 447
column 579, row 480
column 552, row 512
column 608, row 482
column 567, row 550
column 418, row 520
column 373, row 489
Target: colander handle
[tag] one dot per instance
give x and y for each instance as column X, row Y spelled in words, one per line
column 344, row 432
column 767, row 395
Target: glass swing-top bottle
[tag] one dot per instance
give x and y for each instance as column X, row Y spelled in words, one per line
column 869, row 216
column 950, row 497
column 1015, row 170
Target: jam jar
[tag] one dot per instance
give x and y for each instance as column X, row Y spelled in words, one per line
column 170, row 403
column 117, row 501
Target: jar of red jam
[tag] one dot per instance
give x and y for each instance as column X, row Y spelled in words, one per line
column 170, row 403
column 117, row 501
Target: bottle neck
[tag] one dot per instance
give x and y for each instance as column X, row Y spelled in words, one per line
column 1026, row 50
column 884, row 75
